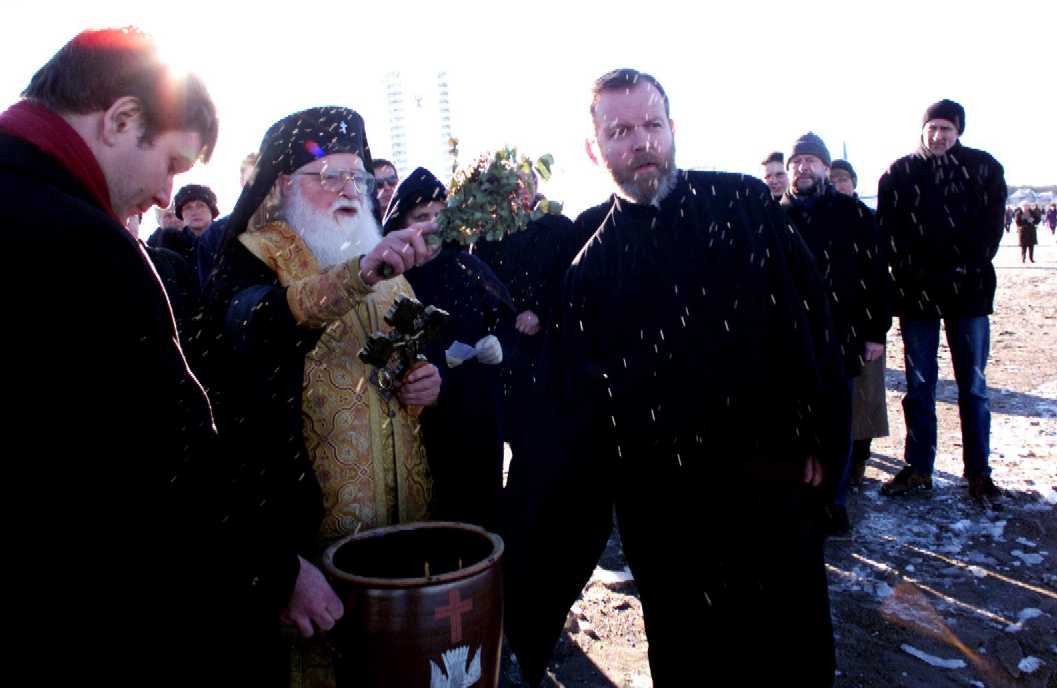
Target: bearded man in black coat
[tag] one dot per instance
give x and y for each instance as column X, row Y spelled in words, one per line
column 842, row 235
column 692, row 315
column 126, row 563
column 943, row 207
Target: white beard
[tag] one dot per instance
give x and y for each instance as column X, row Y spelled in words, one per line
column 332, row 239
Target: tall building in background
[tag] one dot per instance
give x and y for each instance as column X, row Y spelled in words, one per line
column 419, row 121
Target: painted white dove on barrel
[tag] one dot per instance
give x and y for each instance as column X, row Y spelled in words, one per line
column 456, row 673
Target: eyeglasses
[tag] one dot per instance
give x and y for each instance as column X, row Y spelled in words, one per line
column 335, row 180
column 391, row 180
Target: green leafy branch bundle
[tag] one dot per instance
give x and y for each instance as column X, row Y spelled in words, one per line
column 483, row 199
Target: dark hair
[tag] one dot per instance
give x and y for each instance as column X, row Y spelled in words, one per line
column 623, row 80
column 777, row 156
column 381, row 162
column 97, row 67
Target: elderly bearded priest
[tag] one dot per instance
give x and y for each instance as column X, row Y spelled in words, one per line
column 296, row 291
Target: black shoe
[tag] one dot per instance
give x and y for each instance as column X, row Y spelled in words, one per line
column 983, row 489
column 907, row 482
column 860, row 454
column 858, row 473
column 837, row 524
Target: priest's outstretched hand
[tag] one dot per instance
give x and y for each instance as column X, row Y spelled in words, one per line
column 313, row 604
column 401, row 250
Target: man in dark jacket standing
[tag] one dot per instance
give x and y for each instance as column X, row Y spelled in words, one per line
column 692, row 312
column 531, row 264
column 842, row 235
column 942, row 206
column 122, row 576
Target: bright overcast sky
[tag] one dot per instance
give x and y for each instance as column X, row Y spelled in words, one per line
column 744, row 78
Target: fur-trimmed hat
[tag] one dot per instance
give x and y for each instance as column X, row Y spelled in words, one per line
column 195, row 192
column 948, row 110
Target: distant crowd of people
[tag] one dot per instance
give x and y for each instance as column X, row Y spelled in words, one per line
column 702, row 354
column 1027, row 217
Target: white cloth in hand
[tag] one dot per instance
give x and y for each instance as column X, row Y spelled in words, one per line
column 489, row 350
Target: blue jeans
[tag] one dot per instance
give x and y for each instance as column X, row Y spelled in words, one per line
column 970, row 341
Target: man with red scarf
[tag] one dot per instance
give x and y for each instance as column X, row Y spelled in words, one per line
column 123, row 566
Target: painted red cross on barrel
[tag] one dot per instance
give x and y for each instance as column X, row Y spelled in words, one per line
column 454, row 610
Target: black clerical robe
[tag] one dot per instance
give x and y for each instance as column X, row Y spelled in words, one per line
column 692, row 373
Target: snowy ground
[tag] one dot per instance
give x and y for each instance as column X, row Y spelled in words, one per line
column 928, row 592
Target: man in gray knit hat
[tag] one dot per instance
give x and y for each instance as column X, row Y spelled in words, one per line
column 842, row 235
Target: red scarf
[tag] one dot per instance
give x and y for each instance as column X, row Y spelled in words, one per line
column 52, row 134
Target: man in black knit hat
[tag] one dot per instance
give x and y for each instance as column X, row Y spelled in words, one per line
column 943, row 208
column 842, row 234
column 869, row 403
column 842, row 176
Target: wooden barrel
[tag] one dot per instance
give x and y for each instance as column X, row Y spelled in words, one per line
column 423, row 606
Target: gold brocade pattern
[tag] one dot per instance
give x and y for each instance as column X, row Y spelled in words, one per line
column 366, row 451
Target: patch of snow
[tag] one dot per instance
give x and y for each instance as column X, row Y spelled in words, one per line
column 607, row 577
column 969, row 528
column 641, row 681
column 981, row 558
column 882, row 590
column 1031, row 559
column 934, row 661
column 1024, row 615
column 1029, row 664
column 977, row 571
column 1026, row 542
